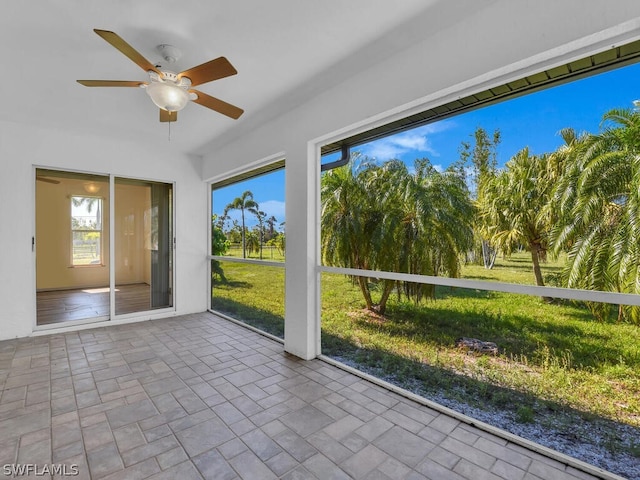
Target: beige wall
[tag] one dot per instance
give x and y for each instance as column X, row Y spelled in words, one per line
column 53, row 237
column 133, row 257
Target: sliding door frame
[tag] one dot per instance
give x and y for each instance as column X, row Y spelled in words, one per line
column 112, row 317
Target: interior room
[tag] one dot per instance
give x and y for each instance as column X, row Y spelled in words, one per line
column 72, row 264
column 111, row 358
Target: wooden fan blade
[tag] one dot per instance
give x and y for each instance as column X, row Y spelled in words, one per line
column 166, row 116
column 217, row 105
column 209, row 71
column 110, row 83
column 116, row 41
column 48, row 180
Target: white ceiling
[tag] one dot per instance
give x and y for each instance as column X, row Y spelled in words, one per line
column 284, row 51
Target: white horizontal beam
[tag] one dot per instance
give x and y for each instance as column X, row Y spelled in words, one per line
column 552, row 292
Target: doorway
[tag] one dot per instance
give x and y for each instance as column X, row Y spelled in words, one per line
column 99, row 257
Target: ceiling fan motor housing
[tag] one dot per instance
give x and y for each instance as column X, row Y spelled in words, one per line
column 169, row 92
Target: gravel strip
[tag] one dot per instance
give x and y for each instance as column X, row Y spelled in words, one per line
column 586, row 441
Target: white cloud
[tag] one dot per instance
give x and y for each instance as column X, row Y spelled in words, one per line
column 273, row 207
column 412, row 140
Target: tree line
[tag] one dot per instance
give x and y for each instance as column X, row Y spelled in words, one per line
column 581, row 202
column 252, row 240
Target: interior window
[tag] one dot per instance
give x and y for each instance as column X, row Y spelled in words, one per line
column 86, row 230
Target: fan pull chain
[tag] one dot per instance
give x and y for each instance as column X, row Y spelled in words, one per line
column 169, row 122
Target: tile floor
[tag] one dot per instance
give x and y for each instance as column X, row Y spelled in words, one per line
column 199, row 397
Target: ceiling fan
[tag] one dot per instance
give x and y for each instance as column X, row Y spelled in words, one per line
column 168, row 90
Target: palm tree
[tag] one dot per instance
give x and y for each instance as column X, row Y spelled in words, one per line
column 600, row 227
column 260, row 216
column 513, row 207
column 381, row 217
column 437, row 225
column 345, row 223
column 563, row 170
column 242, row 203
column 271, row 224
column 79, row 201
column 253, row 241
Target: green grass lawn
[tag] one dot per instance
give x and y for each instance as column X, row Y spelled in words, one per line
column 253, row 294
column 516, row 269
column 553, row 357
column 552, row 353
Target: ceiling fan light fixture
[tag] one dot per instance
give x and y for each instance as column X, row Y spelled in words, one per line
column 91, row 187
column 168, row 96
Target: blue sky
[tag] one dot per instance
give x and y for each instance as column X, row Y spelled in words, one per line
column 268, row 192
column 529, row 121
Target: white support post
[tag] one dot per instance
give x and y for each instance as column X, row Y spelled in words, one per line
column 302, row 311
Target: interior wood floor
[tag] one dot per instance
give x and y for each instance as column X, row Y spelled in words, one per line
column 67, row 305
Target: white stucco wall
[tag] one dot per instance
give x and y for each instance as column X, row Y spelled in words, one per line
column 21, row 147
column 504, row 41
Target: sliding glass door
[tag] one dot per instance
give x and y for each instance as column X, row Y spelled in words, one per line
column 143, row 245
column 72, row 247
column 104, row 246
